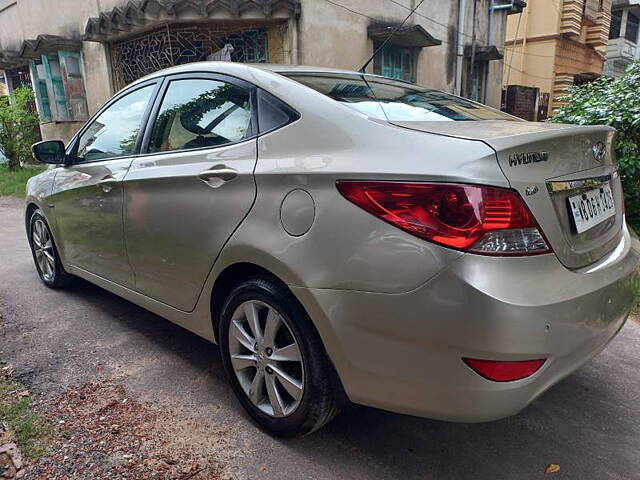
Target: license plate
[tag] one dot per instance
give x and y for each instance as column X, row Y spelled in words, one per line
column 592, row 207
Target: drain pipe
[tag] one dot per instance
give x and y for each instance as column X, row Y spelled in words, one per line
column 492, row 8
column 462, row 6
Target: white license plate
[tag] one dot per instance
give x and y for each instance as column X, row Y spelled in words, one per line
column 592, row 207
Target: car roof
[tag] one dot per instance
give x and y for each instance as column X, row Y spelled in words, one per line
column 286, row 68
column 235, row 67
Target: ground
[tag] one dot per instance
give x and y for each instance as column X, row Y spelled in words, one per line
column 127, row 391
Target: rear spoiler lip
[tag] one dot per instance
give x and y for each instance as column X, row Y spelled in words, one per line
column 546, row 132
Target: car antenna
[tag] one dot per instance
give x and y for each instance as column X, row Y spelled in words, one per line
column 386, row 40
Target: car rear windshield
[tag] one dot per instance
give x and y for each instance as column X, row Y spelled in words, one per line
column 396, row 101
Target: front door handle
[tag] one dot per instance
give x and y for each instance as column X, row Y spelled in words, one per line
column 107, row 183
column 222, row 172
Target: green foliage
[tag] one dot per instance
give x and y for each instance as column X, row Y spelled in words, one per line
column 13, row 182
column 31, row 431
column 19, row 127
column 615, row 103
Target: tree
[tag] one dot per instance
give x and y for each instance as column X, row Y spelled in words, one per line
column 616, row 103
column 19, row 126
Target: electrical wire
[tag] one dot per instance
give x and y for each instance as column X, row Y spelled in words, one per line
column 429, row 18
column 444, row 42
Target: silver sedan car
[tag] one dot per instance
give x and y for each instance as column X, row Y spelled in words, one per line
column 345, row 237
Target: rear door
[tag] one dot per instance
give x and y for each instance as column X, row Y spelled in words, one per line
column 193, row 186
column 88, row 195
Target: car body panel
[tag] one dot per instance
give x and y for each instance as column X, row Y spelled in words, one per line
column 395, row 313
column 570, row 157
column 363, row 246
column 177, row 223
column 403, row 352
column 89, row 218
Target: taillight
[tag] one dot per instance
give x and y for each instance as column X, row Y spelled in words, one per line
column 499, row 371
column 479, row 219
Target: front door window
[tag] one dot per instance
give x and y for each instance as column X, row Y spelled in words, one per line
column 115, row 132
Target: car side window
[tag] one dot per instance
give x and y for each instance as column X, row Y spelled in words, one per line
column 198, row 113
column 115, row 131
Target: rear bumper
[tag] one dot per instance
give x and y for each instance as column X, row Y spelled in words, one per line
column 402, row 352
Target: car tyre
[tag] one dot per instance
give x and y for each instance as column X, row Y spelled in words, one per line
column 45, row 254
column 273, row 400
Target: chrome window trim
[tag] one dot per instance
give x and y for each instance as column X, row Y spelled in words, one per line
column 570, row 185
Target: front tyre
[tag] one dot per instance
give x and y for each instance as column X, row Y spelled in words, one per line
column 275, row 360
column 45, row 254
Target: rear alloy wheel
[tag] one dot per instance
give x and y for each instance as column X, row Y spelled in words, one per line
column 275, row 360
column 266, row 361
column 44, row 252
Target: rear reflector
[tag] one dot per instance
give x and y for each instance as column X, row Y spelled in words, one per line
column 473, row 218
column 504, row 371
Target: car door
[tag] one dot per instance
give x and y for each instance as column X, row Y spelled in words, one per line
column 88, row 194
column 193, row 187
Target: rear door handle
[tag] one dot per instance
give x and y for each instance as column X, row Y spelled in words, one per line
column 107, row 183
column 222, row 172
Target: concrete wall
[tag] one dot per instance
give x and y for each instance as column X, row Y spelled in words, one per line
column 26, row 19
column 59, row 130
column 11, row 32
column 97, row 75
column 342, row 42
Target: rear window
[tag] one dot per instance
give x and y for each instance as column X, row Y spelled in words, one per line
column 396, row 101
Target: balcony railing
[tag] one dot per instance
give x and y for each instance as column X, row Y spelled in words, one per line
column 622, row 49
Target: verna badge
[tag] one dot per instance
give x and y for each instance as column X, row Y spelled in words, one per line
column 599, row 149
column 518, row 159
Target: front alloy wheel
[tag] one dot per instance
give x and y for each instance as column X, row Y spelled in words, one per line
column 43, row 250
column 45, row 254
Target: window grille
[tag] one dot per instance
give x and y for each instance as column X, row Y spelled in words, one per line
column 172, row 45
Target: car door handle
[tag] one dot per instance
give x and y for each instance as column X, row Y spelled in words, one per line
column 222, row 172
column 107, row 183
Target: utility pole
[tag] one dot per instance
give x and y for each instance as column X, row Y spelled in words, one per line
column 462, row 6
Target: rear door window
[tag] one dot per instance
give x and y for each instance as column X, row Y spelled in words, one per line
column 201, row 113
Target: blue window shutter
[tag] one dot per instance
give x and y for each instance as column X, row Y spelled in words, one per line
column 396, row 62
column 55, row 87
column 73, row 81
column 42, row 95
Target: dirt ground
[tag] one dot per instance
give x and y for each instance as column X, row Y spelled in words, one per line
column 131, row 395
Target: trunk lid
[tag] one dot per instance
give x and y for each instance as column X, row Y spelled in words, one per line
column 548, row 164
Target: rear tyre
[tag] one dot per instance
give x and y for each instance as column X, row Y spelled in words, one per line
column 45, row 254
column 275, row 360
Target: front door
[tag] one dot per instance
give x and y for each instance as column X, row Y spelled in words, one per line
column 88, row 196
column 187, row 195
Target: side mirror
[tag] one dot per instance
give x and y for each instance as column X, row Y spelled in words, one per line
column 49, row 151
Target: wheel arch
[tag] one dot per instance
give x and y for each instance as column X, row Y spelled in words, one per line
column 228, row 279
column 31, row 207
column 235, row 273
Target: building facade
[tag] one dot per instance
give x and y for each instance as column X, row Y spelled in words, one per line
column 624, row 36
column 552, row 45
column 76, row 54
